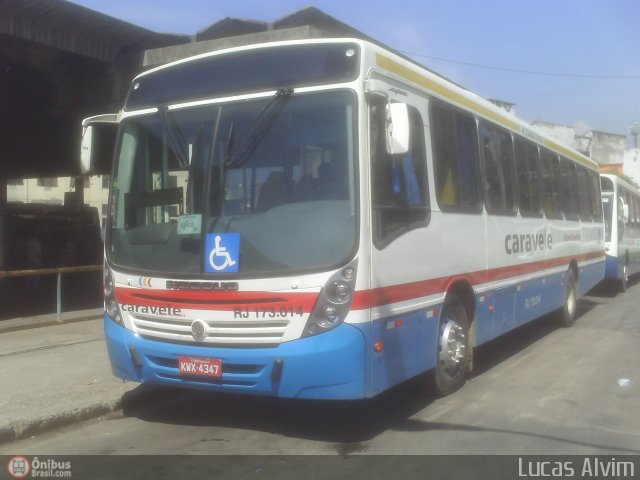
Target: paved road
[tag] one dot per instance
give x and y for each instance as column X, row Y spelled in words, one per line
column 539, row 390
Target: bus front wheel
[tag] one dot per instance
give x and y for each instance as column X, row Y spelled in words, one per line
column 453, row 347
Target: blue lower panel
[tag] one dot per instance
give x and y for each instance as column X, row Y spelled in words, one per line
column 591, row 275
column 539, row 297
column 613, row 268
column 410, row 346
column 326, row 366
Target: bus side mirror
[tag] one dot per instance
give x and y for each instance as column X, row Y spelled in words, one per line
column 98, row 144
column 625, row 213
column 85, row 150
column 397, row 129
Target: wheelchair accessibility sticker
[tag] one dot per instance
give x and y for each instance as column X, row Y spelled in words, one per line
column 222, row 252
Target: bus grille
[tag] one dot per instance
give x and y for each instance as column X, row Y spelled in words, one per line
column 219, row 332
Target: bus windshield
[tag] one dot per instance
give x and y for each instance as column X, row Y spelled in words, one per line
column 276, row 172
column 607, row 208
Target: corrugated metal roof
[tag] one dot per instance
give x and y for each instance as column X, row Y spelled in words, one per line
column 66, row 26
column 230, row 27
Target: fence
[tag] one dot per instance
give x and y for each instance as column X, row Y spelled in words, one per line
column 52, row 271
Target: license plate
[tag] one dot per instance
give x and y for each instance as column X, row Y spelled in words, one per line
column 202, row 367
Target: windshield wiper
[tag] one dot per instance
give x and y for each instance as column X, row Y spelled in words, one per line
column 192, row 170
column 175, row 135
column 236, row 157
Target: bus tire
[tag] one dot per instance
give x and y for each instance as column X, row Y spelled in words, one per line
column 453, row 347
column 568, row 310
column 623, row 283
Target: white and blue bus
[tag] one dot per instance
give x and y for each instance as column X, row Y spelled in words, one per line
column 326, row 219
column 621, row 205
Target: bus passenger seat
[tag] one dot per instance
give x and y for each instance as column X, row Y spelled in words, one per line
column 273, row 192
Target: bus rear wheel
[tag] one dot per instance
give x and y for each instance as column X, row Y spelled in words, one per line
column 568, row 311
column 624, row 281
column 453, row 347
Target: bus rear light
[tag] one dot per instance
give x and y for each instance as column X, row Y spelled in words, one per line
column 334, row 302
column 378, row 347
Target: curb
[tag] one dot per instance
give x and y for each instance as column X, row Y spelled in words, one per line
column 139, row 395
column 26, row 428
column 47, row 320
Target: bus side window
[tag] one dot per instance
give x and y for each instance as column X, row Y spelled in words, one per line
column 528, row 177
column 550, row 177
column 399, row 183
column 596, row 197
column 497, row 154
column 583, row 194
column 568, row 189
column 456, row 158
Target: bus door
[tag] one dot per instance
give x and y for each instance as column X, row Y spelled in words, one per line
column 400, row 254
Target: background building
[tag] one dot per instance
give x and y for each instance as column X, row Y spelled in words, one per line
column 64, row 62
column 614, row 152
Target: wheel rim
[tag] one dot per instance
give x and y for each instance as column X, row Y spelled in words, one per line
column 453, row 347
column 571, row 301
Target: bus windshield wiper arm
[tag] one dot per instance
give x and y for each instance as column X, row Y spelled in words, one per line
column 175, row 135
column 236, row 157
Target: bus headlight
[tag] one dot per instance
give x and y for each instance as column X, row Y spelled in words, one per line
column 339, row 292
column 329, row 316
column 334, row 302
column 110, row 303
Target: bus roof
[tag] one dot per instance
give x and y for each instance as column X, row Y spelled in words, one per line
column 409, row 70
column 625, row 183
column 439, row 86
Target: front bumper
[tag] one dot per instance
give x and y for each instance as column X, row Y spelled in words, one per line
column 326, row 366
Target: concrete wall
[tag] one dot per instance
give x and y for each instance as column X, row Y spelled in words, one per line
column 632, row 164
column 52, row 190
column 606, row 148
column 565, row 134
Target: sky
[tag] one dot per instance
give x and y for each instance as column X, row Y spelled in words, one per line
column 572, row 62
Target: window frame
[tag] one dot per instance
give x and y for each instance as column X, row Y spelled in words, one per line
column 475, row 154
column 491, row 209
column 527, row 144
column 584, row 189
column 551, row 178
column 596, row 196
column 379, row 158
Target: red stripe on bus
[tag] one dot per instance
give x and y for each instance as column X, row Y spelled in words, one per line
column 363, row 299
column 378, row 297
column 215, row 300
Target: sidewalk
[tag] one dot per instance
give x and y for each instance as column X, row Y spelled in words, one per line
column 54, row 375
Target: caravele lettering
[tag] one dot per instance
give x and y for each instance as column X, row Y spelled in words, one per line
column 144, row 309
column 527, row 243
